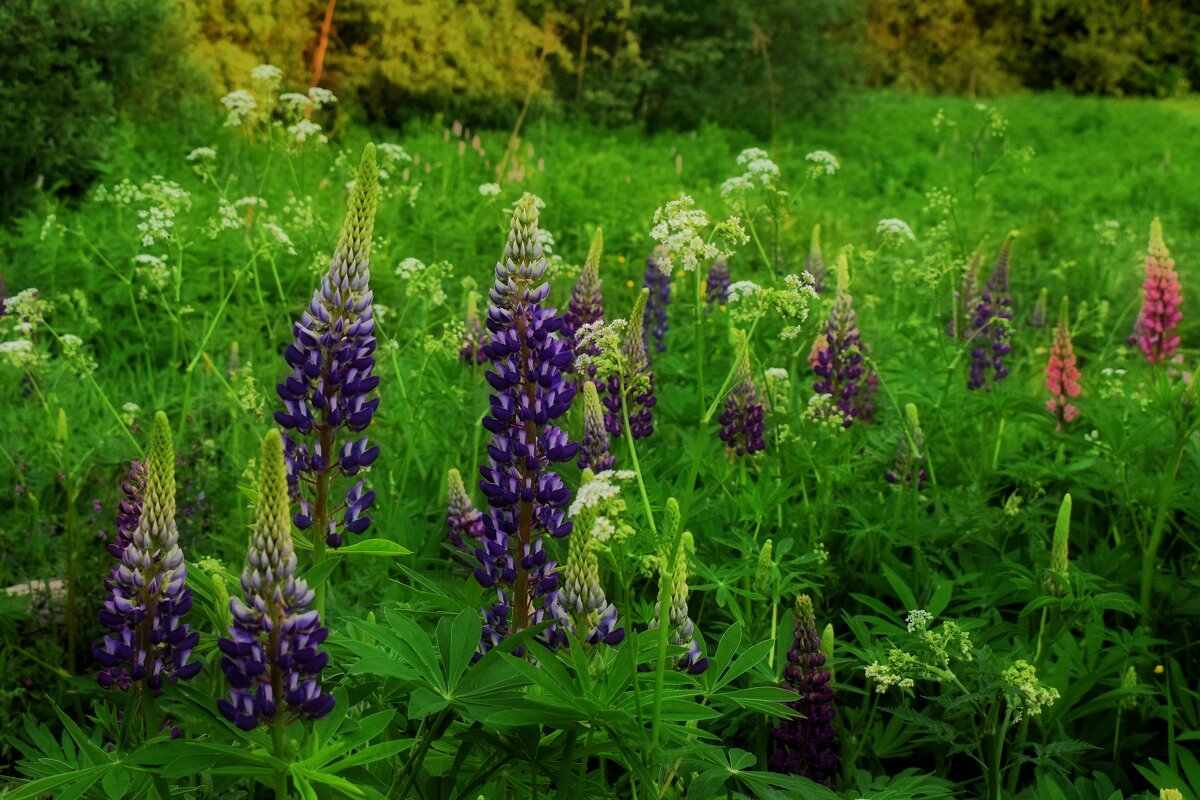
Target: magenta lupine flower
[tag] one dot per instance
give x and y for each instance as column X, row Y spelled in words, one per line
column 148, row 595
column 837, row 358
column 805, row 746
column 1062, row 376
column 328, row 397
column 474, row 335
column 716, row 287
column 594, row 447
column 1161, row 298
column 637, row 382
column 742, row 419
column 814, row 264
column 271, row 656
column 464, row 523
column 525, row 497
column 989, row 325
column 654, row 318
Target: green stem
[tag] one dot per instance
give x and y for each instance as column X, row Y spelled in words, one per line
column 637, row 468
column 666, row 578
column 565, row 772
column 280, row 750
column 1150, row 552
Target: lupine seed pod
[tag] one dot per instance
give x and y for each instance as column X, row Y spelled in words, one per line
column 1037, row 318
column 587, row 300
column 464, row 523
column 682, row 631
column 989, row 325
column 716, row 287
column 654, row 316
column 525, row 497
column 637, row 381
column 1062, row 376
column 910, row 453
column 837, row 357
column 592, row 618
column 474, row 336
column 148, row 641
column 742, row 418
column 805, row 746
column 594, row 447
column 1161, row 298
column 329, row 393
column 815, row 263
column 272, row 656
column 1060, row 563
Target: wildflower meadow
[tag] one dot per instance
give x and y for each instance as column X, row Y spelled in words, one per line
column 850, row 458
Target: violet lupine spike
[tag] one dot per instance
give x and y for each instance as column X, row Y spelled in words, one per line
column 271, row 657
column 587, row 300
column 637, row 380
column 654, row 318
column 805, row 746
column 464, row 523
column 910, row 453
column 989, row 325
column 837, row 358
column 716, row 287
column 148, row 595
column 329, row 393
column 742, row 419
column 682, row 629
column 525, row 498
column 966, row 298
column 592, row 618
column 474, row 334
column 1161, row 298
column 129, row 510
column 815, row 263
column 594, row 447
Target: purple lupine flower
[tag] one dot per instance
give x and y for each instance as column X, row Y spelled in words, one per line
column 742, row 419
column 654, row 318
column 592, row 618
column 587, row 301
column 464, row 523
column 804, row 746
column 271, row 656
column 328, row 394
column 129, row 510
column 989, row 325
column 148, row 595
column 716, row 287
column 525, row 498
column 837, row 358
column 593, row 450
column 965, row 299
column 474, row 335
column 907, row 469
column 815, row 263
column 682, row 629
column 636, row 381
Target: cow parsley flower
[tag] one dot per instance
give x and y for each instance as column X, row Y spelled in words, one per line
column 679, row 227
column 295, row 101
column 267, row 73
column 202, row 154
column 823, row 162
column 306, row 129
column 893, row 229
column 321, row 97
column 489, row 189
column 241, row 106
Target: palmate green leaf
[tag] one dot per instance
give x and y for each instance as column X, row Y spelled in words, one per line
column 88, row 748
column 769, row 700
column 359, row 733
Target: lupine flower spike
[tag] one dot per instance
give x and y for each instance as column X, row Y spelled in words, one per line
column 592, row 618
column 637, row 381
column 1161, row 298
column 837, row 358
column 1060, row 562
column 593, row 450
column 716, row 287
column 910, row 455
column 464, row 523
column 804, row 746
column 271, row 656
column 966, row 298
column 1062, row 376
column 329, row 393
column 815, row 263
column 989, row 325
column 587, row 301
column 654, row 318
column 742, row 418
column 148, row 642
column 474, row 336
column 1037, row 318
column 681, row 629
column 525, row 497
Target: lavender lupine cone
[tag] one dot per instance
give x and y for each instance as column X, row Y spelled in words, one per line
column 271, row 657
column 525, row 497
column 638, row 380
column 594, row 447
column 587, row 300
column 989, row 325
column 837, row 359
column 682, row 629
column 716, row 287
column 148, row 595
column 332, row 358
column 742, row 419
column 464, row 523
column 805, row 746
column 129, row 510
column 591, row 616
column 654, row 318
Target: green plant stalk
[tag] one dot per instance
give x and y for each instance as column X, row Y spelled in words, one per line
column 280, row 751
column 637, row 468
column 72, row 574
column 435, row 731
column 565, row 771
column 666, row 578
column 1150, row 551
column 697, row 324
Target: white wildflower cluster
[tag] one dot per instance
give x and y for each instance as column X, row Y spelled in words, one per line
column 425, row 281
column 599, row 501
column 294, row 102
column 790, row 302
column 410, row 268
column 546, row 240
column 894, row 231
column 151, row 271
column 266, row 74
column 928, row 656
column 29, row 308
column 227, row 219
column 823, row 410
column 489, row 189
column 778, row 374
column 758, row 171
column 602, row 487
column 940, row 201
column 1109, row 231
column 279, row 236
column 81, row 362
column 1024, row 693
column 51, row 225
column 129, row 413
column 448, row 343
column 918, row 620
column 598, row 344
column 679, row 227
column 300, row 212
column 304, row 130
column 320, row 97
column 242, row 108
column 823, row 163
column 19, row 353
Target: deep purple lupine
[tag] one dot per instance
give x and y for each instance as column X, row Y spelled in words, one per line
column 148, row 641
column 594, row 447
column 271, row 656
column 716, row 288
column 654, row 318
column 742, row 419
column 989, row 325
column 525, row 497
column 464, row 522
column 329, row 393
column 638, row 380
column 129, row 510
column 837, row 359
column 804, row 746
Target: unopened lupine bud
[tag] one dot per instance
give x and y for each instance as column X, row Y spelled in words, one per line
column 636, row 381
column 716, row 288
column 594, row 447
column 1062, row 376
column 1060, row 563
column 989, row 325
column 1161, row 298
column 910, row 453
column 682, row 631
column 654, row 315
column 593, row 619
column 837, row 358
column 805, row 745
column 765, row 571
column 272, row 655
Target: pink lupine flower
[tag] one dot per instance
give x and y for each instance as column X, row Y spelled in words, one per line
column 1062, row 376
column 1161, row 298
